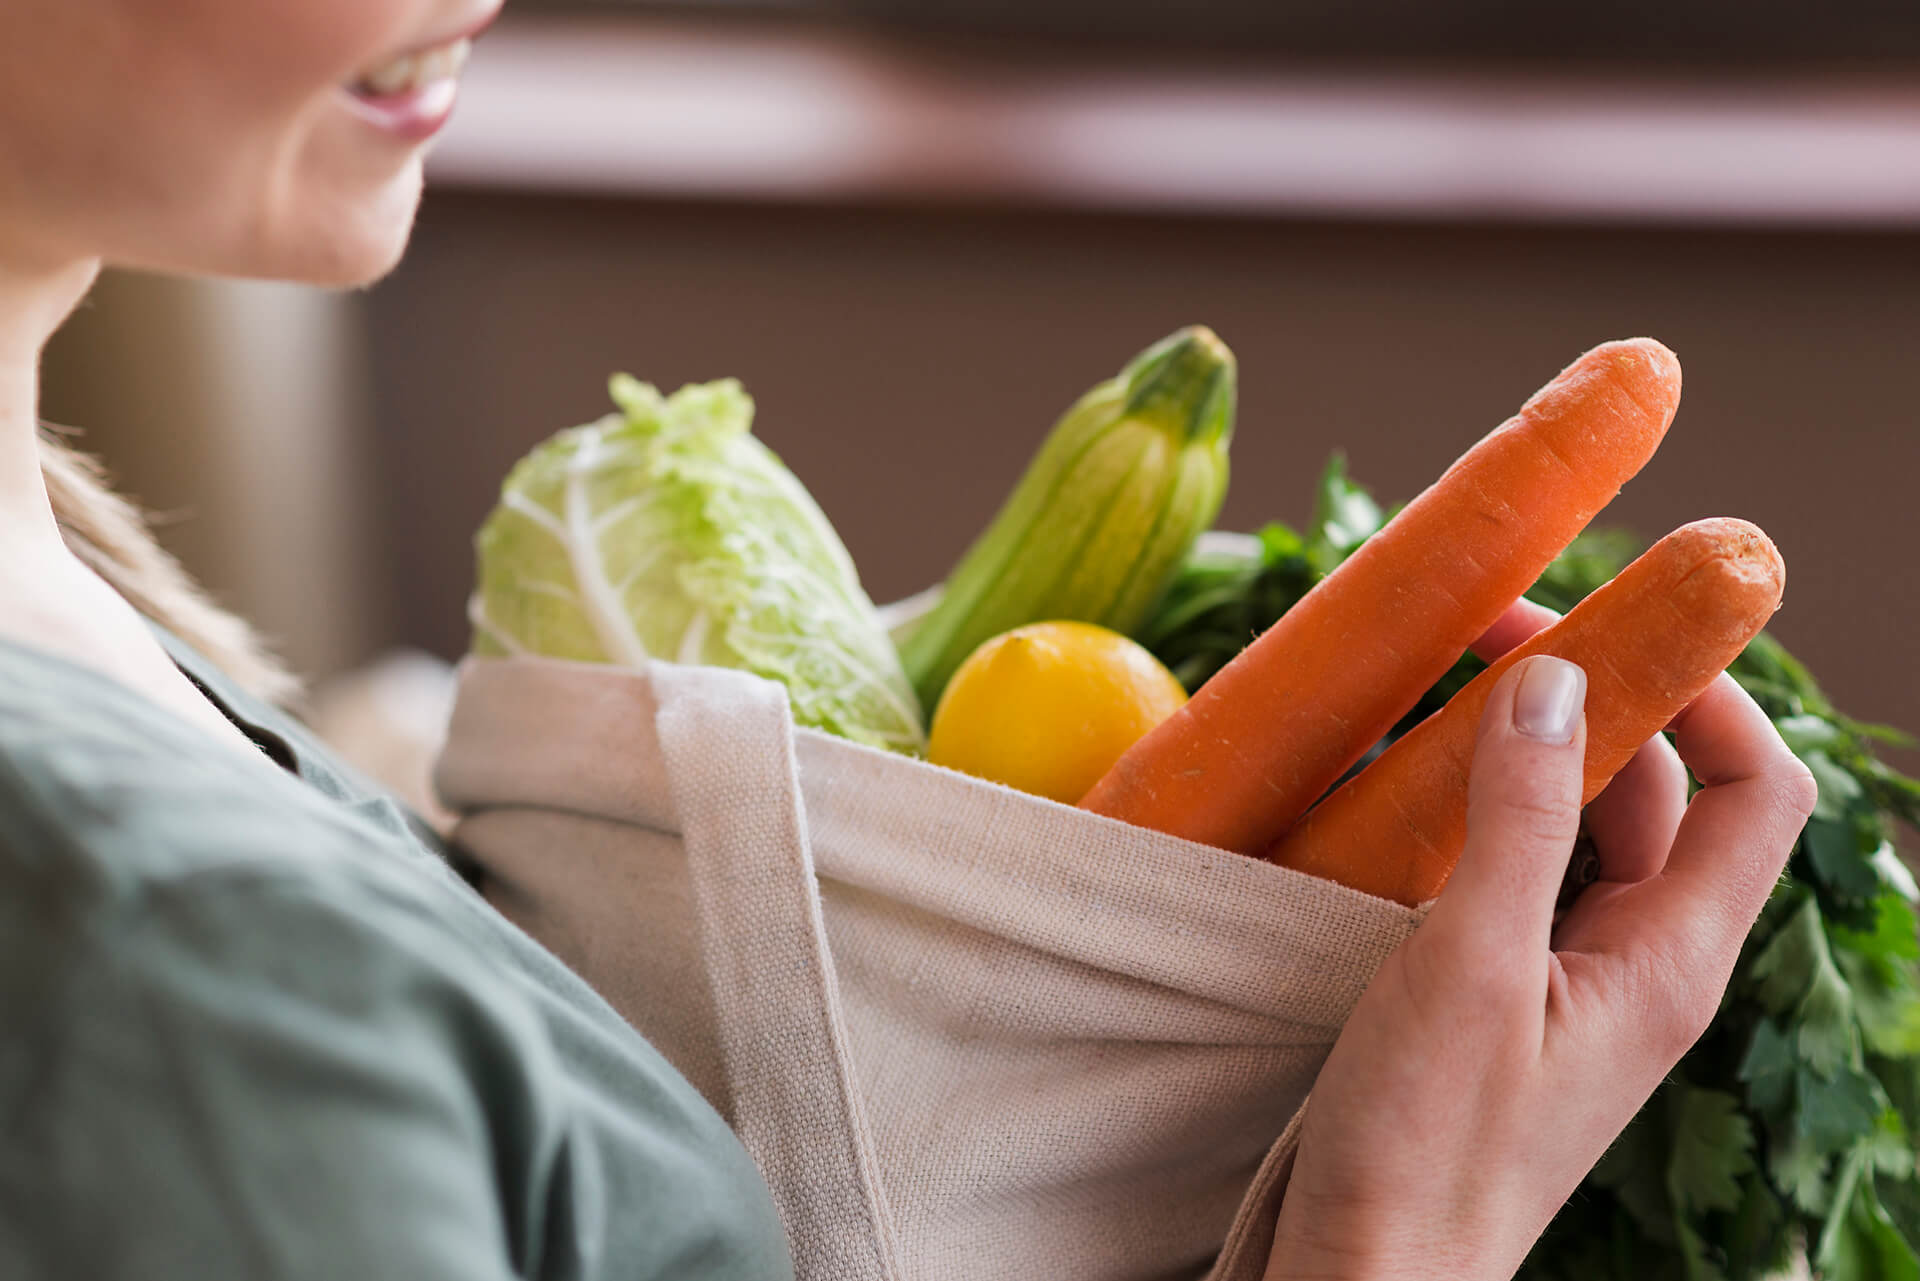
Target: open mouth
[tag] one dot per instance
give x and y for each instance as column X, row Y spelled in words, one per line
column 413, row 73
column 410, row 95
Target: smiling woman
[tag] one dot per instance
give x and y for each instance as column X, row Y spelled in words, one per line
column 254, row 1023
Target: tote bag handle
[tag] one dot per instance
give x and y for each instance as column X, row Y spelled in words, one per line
column 727, row 740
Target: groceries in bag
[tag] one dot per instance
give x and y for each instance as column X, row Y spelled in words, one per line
column 1821, row 1016
column 1279, row 725
column 1049, row 707
column 1103, row 516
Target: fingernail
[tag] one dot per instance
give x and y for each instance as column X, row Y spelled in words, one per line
column 1547, row 703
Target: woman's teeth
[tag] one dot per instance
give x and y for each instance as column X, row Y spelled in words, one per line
column 413, row 71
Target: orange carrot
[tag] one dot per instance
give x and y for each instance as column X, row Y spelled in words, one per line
column 1650, row 641
column 1277, row 726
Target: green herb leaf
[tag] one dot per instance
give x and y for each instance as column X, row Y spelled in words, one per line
column 1890, row 1147
column 1784, row 969
column 1894, row 874
column 1808, row 733
column 1889, row 1015
column 1840, row 791
column 1858, row 1241
column 1344, row 516
column 1631, row 1169
column 1900, row 1198
column 1702, row 1261
column 1756, row 1240
column 1895, row 937
column 1768, row 1067
column 1837, row 860
column 1836, row 1112
column 1800, row 1171
column 1712, row 1148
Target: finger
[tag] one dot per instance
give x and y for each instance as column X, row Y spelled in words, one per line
column 1523, row 811
column 1734, row 840
column 1633, row 822
column 1726, row 858
column 1522, row 619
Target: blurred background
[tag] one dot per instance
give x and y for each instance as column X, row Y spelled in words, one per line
column 918, row 230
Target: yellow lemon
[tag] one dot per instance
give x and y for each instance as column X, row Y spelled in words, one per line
column 1048, row 708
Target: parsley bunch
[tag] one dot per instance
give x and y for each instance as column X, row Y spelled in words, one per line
column 1791, row 1124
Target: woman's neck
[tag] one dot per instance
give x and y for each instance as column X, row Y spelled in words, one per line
column 48, row 599
column 34, row 300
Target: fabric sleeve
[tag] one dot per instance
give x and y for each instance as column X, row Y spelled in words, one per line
column 271, row 1076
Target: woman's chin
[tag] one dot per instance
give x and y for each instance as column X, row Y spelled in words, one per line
column 352, row 266
column 361, row 242
column 337, row 234
column 352, row 250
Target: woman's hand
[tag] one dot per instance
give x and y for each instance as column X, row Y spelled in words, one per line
column 1497, row 1054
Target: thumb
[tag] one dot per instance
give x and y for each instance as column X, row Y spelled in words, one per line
column 1523, row 811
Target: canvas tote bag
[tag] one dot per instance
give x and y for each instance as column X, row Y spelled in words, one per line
column 965, row 1032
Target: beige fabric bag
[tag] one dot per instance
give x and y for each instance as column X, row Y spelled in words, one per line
column 965, row 1032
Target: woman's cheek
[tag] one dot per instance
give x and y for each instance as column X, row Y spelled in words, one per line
column 331, row 200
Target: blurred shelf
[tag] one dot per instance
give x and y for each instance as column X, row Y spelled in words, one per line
column 1676, row 33
column 657, row 108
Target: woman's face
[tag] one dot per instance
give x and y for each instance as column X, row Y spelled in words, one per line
column 236, row 137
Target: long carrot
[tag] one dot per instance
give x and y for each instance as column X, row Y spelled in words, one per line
column 1650, row 642
column 1277, row 726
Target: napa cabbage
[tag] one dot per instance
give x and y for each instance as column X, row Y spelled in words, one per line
column 666, row 531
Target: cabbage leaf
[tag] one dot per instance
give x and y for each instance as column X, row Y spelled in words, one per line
column 666, row 531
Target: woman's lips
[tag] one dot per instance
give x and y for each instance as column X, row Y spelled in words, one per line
column 411, row 115
column 411, row 95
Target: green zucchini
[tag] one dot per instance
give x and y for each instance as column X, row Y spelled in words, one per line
column 1104, row 515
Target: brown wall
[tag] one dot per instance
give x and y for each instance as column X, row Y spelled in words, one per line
column 231, row 408
column 907, row 361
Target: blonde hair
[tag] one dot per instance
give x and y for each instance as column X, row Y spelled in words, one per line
column 114, row 538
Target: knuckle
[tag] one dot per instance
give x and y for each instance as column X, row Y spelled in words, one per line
column 1480, row 963
column 1532, row 808
column 1506, row 987
column 1678, row 1000
column 1424, row 982
column 1689, row 1013
column 1797, row 788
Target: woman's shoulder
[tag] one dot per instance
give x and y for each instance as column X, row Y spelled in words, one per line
column 123, row 827
column 298, row 1029
column 105, row 795
column 119, row 822
column 248, row 1072
column 230, row 978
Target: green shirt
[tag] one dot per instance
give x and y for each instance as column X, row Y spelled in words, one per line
column 253, row 1025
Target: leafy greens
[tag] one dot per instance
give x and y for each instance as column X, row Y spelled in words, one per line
column 666, row 531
